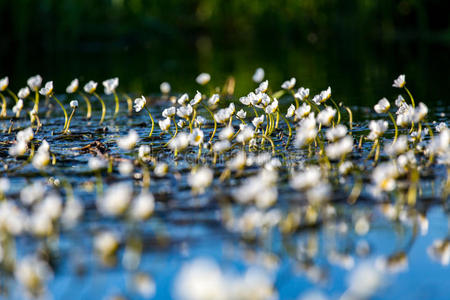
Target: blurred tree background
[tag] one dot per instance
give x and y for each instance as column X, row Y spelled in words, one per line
column 352, row 45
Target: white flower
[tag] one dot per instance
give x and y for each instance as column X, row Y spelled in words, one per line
column 143, row 206
column 200, row 121
column 307, row 131
column 47, row 89
column 213, row 100
column 4, row 83
column 203, row 78
column 180, row 142
column 333, row 134
column 420, row 112
column 23, row 92
column 18, row 149
column 139, row 103
column 90, row 87
column 106, row 243
column 73, row 210
column 399, row 82
column 200, row 179
column 363, row 282
column 74, row 104
column 258, row 76
column 196, row 137
column 11, row 218
column 200, row 279
column 110, row 85
column 326, row 116
column 183, row 98
column 404, row 119
column 303, row 111
column 128, row 142
column 164, row 124
column 306, row 179
column 125, row 168
column 345, row 167
column 226, row 133
column 272, row 107
column 377, row 128
column 34, row 82
column 289, row 84
column 42, row 156
column 165, row 87
column 18, row 106
column 197, row 99
column 399, row 147
column 221, row 146
column 262, row 87
column 144, row 152
column 302, row 93
column 161, row 169
column 73, row 86
column 257, row 121
column 185, row 111
column 441, row 126
column 384, row 175
column 25, row 135
column 169, row 112
column 440, row 251
column 241, row 114
column 338, row 149
column 246, row 100
column 245, row 135
column 325, row 95
column 96, row 163
column 32, row 193
column 382, row 106
column 32, row 272
column 116, row 199
column 290, row 111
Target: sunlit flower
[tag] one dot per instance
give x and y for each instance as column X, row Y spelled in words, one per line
column 72, row 212
column 34, row 82
column 337, row 132
column 257, row 121
column 96, row 163
column 129, row 141
column 203, row 78
column 125, row 167
column 197, row 98
column 245, row 135
column 110, row 85
column 185, row 111
column 213, row 100
column 199, row 121
column 18, row 106
column 382, row 106
column 289, row 84
column 272, row 107
column 74, row 104
column 161, row 169
column 144, row 152
column 116, row 199
column 399, row 147
column 420, row 112
column 47, row 89
column 340, row 148
column 258, row 76
column 183, row 99
column 377, row 128
column 384, row 175
column 164, row 124
column 196, row 137
column 226, row 133
column 325, row 116
column 302, row 94
column 106, row 243
column 290, row 111
column 139, row 103
column 73, row 86
column 440, row 251
column 262, row 88
column 42, row 156
column 363, row 282
column 143, row 206
column 33, row 272
column 399, row 82
column 180, row 142
column 306, row 132
column 4, row 82
column 306, row 179
column 169, row 112
column 90, row 87
column 303, row 111
column 200, row 179
column 221, row 146
column 23, row 92
column 11, row 218
column 165, row 87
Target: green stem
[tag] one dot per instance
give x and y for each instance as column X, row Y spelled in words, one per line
column 116, row 110
column 290, row 130
column 350, row 116
column 3, row 112
column 410, row 96
column 153, row 121
column 64, row 110
column 103, row 107
column 338, row 111
column 395, row 126
column 176, row 132
column 215, row 123
column 88, row 105
column 66, row 130
column 13, row 95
